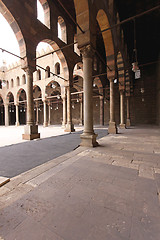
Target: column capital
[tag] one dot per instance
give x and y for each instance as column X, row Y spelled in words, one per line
column 87, row 51
column 29, row 70
column 111, row 79
column 16, row 104
column 121, row 91
column 101, row 97
column 49, row 102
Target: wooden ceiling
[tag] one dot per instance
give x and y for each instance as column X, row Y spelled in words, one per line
column 147, row 28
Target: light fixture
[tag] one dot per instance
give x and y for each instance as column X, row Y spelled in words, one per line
column 53, row 85
column 115, row 80
column 135, row 67
column 142, row 90
column 94, row 85
column 77, row 100
column 73, row 106
column 58, row 96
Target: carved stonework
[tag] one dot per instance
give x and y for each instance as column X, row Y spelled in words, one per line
column 87, row 51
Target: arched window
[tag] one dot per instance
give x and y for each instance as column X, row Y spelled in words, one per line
column 38, row 74
column 47, row 72
column 43, row 12
column 23, row 79
column 7, row 85
column 95, row 63
column 76, row 49
column 57, row 68
column 18, row 81
column 12, row 83
column 62, row 33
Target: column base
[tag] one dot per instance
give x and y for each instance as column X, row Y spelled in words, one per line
column 30, row 132
column 45, row 124
column 69, row 127
column 89, row 140
column 112, row 129
column 17, row 124
column 63, row 126
column 122, row 126
column 128, row 123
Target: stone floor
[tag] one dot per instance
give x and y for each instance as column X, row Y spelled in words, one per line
column 110, row 192
column 18, row 156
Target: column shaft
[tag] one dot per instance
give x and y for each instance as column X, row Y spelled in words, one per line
column 64, row 112
column 69, row 126
column 112, row 101
column 30, row 113
column 128, row 123
column 45, row 124
column 122, row 124
column 6, row 115
column 30, row 130
column 37, row 114
column 81, row 111
column 49, row 114
column 88, row 138
column 112, row 125
column 17, row 115
column 101, row 110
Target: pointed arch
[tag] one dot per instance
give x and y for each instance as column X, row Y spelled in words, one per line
column 121, row 72
column 57, row 68
column 47, row 72
column 62, row 30
column 46, row 10
column 61, row 56
column 108, row 41
column 82, row 14
column 15, row 27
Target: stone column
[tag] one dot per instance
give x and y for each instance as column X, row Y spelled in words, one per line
column 45, row 123
column 69, row 125
column 6, row 115
column 30, row 130
column 88, row 138
column 101, row 98
column 112, row 125
column 49, row 113
column 37, row 114
column 64, row 112
column 122, row 124
column 128, row 122
column 81, row 110
column 17, row 115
